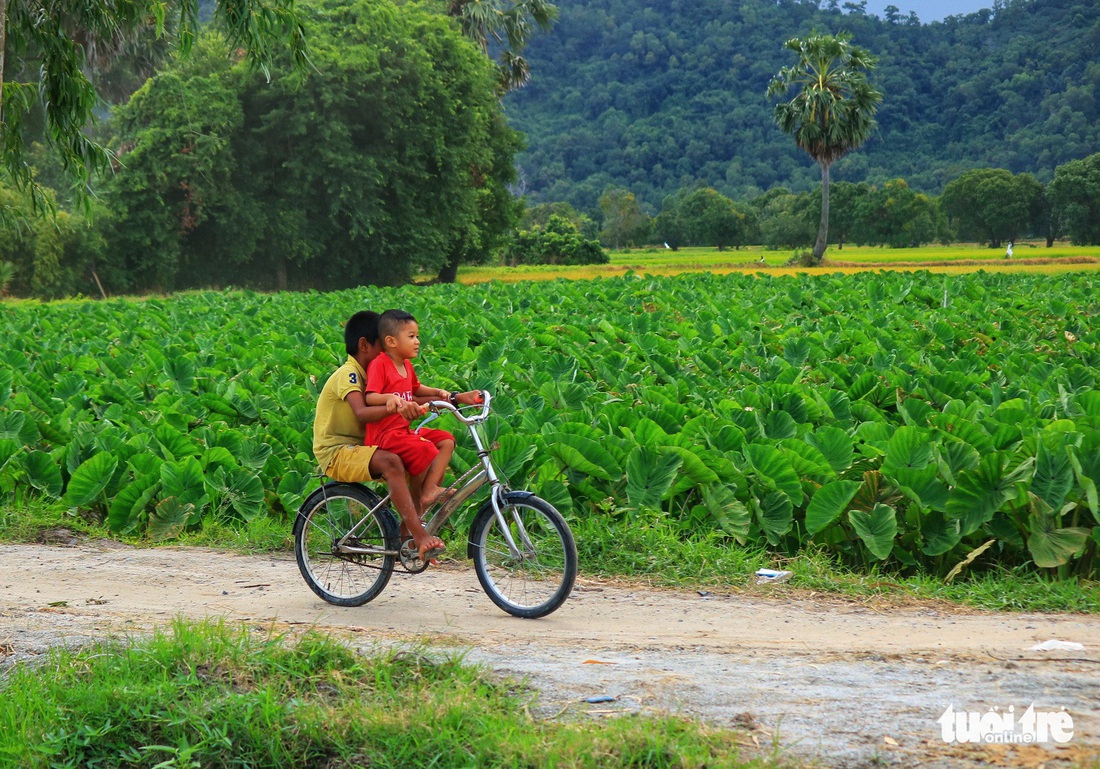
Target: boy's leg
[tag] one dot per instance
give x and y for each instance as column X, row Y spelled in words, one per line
column 388, row 466
column 432, row 488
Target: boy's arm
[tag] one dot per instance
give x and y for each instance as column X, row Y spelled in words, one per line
column 372, row 407
column 425, row 394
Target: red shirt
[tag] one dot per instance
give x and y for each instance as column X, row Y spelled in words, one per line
column 382, row 377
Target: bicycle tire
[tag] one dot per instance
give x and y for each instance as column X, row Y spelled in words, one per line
column 344, row 579
column 540, row 581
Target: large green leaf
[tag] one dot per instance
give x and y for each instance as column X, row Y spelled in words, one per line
column 909, row 448
column 836, row 446
column 983, row 491
column 293, row 487
column 513, row 453
column 940, row 534
column 828, row 503
column 42, row 473
column 775, row 471
column 11, row 425
column 184, row 481
column 778, row 425
column 241, row 490
column 694, row 468
column 775, row 516
column 90, row 479
column 582, row 454
column 807, row 461
column 169, row 519
column 1054, row 547
column 253, row 455
column 1053, row 476
column 7, row 379
column 729, row 512
column 649, row 474
column 131, row 501
column 877, row 529
column 922, row 486
column 557, row 494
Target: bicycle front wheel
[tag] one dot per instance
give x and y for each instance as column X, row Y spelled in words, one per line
column 538, row 576
column 346, row 571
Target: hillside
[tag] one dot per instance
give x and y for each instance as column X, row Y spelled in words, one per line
column 658, row 97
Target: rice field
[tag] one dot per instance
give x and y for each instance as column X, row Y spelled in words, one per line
column 1029, row 256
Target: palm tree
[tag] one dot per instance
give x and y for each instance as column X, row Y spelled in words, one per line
column 508, row 24
column 833, row 111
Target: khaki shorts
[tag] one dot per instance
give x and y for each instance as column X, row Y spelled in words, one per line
column 351, row 464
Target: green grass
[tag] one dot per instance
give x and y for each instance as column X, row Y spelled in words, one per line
column 212, row 695
column 661, row 556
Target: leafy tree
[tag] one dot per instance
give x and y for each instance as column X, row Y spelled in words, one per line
column 45, row 257
column 49, row 46
column 711, row 219
column 833, row 110
column 992, row 204
column 507, row 26
column 786, row 220
column 897, row 216
column 387, row 157
column 624, row 221
column 539, row 215
column 1075, row 199
column 668, row 226
column 177, row 176
column 558, row 242
column 846, row 211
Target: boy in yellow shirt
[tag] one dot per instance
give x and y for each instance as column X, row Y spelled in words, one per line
column 339, row 426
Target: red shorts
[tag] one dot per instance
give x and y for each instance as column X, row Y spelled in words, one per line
column 417, row 450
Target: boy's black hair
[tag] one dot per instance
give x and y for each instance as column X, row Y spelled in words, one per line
column 361, row 324
column 391, row 322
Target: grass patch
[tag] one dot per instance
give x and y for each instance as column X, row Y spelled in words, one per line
column 657, row 554
column 211, row 695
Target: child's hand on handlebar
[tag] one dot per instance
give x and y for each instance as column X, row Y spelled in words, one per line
column 470, row 398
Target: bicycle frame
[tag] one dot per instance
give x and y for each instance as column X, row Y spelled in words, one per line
column 464, row 487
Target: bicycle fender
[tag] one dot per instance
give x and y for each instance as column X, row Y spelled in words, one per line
column 487, row 509
column 320, row 492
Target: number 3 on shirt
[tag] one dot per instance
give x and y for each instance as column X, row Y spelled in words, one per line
column 353, row 378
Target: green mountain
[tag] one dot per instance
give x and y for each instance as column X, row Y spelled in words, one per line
column 658, row 97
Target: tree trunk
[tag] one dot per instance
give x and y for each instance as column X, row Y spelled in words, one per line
column 449, row 272
column 3, row 42
column 280, row 274
column 823, row 229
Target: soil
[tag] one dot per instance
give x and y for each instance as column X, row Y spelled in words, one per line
column 815, row 678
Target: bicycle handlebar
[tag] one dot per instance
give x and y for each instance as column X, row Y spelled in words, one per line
column 486, row 398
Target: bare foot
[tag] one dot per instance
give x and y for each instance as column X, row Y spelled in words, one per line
column 429, row 548
column 430, row 495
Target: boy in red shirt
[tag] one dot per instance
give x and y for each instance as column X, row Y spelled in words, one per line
column 425, row 453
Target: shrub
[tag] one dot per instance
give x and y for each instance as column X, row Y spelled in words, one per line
column 559, row 242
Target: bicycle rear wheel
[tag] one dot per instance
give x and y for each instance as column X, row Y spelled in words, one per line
column 541, row 577
column 355, row 572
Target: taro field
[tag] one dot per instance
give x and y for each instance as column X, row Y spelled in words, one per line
column 911, row 419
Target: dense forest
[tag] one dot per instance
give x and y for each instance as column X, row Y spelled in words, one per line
column 658, row 98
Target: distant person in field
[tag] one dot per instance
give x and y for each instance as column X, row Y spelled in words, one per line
column 1008, row 251
column 427, row 452
column 339, row 429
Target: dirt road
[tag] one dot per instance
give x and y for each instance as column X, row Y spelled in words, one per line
column 849, row 684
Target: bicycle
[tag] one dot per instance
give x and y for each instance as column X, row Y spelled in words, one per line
column 347, row 541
